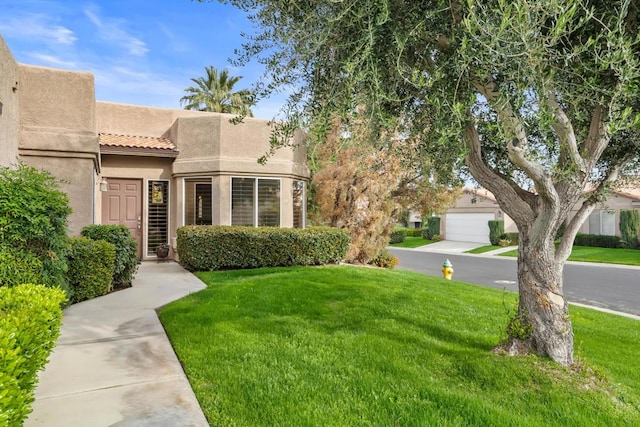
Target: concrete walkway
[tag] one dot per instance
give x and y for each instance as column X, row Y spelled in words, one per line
column 448, row 247
column 113, row 364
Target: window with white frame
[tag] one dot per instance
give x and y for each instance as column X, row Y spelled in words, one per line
column 255, row 202
column 602, row 222
column 299, row 205
column 198, row 205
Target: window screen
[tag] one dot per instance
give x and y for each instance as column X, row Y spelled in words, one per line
column 242, row 201
column 255, row 201
column 268, row 202
column 198, row 202
column 158, row 223
column 298, row 204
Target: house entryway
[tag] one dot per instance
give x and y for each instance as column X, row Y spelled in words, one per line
column 122, row 205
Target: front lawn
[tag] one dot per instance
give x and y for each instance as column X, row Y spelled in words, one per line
column 593, row 254
column 412, row 242
column 359, row 346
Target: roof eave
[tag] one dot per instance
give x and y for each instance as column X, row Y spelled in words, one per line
column 139, row 152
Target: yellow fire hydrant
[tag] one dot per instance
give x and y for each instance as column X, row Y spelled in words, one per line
column 447, row 269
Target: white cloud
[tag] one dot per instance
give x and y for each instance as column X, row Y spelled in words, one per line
column 55, row 61
column 38, row 27
column 113, row 30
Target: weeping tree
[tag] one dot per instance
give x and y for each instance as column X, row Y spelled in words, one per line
column 537, row 100
column 362, row 181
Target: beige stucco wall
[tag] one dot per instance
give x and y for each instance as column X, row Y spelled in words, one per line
column 9, row 117
column 146, row 169
column 209, row 147
column 57, row 133
column 207, row 142
column 615, row 203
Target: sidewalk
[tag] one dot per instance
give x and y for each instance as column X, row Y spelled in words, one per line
column 113, row 364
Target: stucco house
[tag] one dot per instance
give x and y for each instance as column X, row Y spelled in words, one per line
column 467, row 220
column 151, row 169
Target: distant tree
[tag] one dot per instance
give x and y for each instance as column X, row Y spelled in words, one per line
column 214, row 93
column 540, row 99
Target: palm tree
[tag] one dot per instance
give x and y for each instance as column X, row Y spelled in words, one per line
column 215, row 93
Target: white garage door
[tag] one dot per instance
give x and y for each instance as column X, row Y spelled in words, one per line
column 468, row 227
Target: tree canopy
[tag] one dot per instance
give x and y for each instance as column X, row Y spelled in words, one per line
column 215, row 93
column 537, row 100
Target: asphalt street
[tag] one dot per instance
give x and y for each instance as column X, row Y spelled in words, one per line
column 611, row 287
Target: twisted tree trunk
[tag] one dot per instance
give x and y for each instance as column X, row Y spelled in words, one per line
column 542, row 306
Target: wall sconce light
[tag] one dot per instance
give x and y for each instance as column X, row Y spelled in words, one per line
column 104, row 185
column 499, row 213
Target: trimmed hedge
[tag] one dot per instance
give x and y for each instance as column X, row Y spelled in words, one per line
column 126, row 262
column 496, row 230
column 432, row 229
column 629, row 225
column 30, row 319
column 398, row 235
column 598, row 241
column 91, row 268
column 211, row 247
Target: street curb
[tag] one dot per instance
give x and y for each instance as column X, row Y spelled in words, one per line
column 606, row 310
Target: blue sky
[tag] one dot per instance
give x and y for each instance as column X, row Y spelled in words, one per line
column 140, row 51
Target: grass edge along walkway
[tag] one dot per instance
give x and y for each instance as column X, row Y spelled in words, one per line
column 358, row 346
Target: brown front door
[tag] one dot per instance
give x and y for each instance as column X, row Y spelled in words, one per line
column 122, row 204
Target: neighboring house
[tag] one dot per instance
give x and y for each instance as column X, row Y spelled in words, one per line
column 467, row 220
column 150, row 169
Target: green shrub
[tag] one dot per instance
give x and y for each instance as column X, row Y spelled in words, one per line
column 228, row 247
column 33, row 222
column 496, row 230
column 432, row 229
column 126, row 261
column 398, row 235
column 18, row 266
column 436, row 238
column 385, row 260
column 416, row 232
column 514, row 238
column 91, row 267
column 629, row 225
column 30, row 318
column 597, row 240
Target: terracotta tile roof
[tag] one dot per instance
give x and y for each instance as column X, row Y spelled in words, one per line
column 632, row 193
column 130, row 141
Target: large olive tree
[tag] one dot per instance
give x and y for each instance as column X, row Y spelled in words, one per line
column 538, row 98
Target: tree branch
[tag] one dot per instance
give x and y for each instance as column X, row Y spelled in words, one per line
column 517, row 150
column 566, row 243
column 564, row 130
column 516, row 207
column 597, row 139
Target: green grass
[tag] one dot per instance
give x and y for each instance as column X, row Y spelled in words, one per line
column 592, row 254
column 412, row 242
column 338, row 346
column 483, row 249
